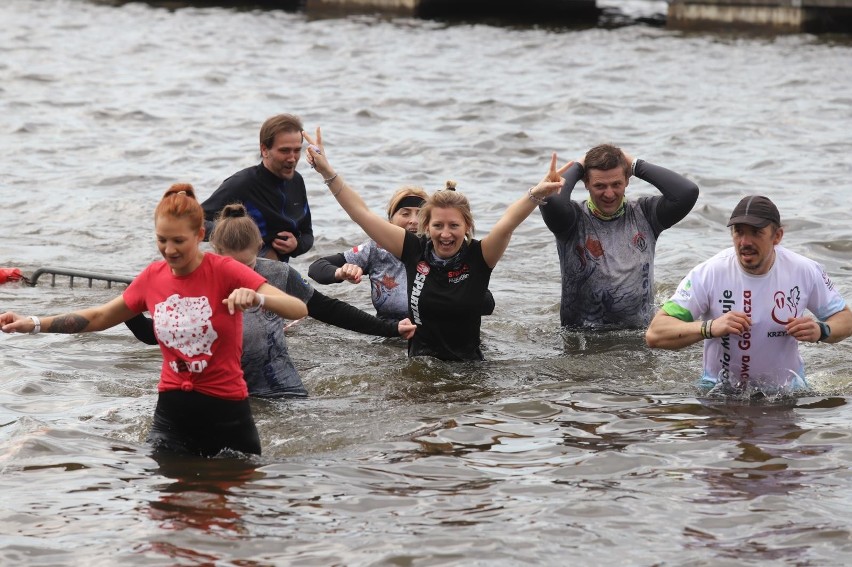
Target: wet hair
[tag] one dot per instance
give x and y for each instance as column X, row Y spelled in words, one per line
column 235, row 230
column 605, row 157
column 446, row 198
column 179, row 202
column 274, row 125
column 402, row 193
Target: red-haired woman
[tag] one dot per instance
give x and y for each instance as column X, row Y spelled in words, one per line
column 196, row 300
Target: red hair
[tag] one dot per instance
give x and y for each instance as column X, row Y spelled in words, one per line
column 180, row 202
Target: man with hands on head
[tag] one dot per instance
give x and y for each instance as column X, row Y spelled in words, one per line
column 606, row 244
column 747, row 303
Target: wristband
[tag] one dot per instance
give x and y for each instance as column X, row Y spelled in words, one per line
column 824, row 331
column 261, row 300
column 534, row 199
column 633, row 166
column 37, row 325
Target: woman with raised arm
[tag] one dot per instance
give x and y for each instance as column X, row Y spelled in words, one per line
column 388, row 282
column 448, row 270
column 197, row 300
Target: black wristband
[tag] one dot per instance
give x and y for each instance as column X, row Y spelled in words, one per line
column 824, row 331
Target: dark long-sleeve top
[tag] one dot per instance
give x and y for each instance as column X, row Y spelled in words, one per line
column 321, row 307
column 275, row 204
column 382, row 268
column 607, row 266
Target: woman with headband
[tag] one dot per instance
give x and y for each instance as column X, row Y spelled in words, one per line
column 197, row 300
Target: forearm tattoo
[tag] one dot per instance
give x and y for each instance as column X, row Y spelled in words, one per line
column 68, row 324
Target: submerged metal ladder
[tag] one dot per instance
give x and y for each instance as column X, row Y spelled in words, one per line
column 72, row 274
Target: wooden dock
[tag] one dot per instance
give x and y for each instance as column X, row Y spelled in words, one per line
column 792, row 16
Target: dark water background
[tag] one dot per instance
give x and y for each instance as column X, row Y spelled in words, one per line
column 560, row 448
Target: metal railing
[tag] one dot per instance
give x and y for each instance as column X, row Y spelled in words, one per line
column 78, row 274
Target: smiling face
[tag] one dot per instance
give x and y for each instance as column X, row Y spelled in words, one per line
column 755, row 247
column 179, row 244
column 281, row 158
column 606, row 188
column 447, row 231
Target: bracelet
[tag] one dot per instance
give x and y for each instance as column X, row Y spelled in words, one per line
column 37, row 325
column 330, row 180
column 710, row 329
column 535, row 199
column 261, row 300
column 704, row 329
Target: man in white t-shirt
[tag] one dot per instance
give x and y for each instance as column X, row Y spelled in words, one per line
column 747, row 303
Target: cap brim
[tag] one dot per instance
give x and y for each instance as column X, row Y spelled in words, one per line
column 756, row 222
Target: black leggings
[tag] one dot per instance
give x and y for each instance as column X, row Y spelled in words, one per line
column 197, row 424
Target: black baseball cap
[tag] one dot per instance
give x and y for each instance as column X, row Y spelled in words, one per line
column 756, row 210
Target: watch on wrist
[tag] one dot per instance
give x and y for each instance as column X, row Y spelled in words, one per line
column 824, row 331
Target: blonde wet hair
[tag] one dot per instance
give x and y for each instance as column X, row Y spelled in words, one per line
column 446, row 198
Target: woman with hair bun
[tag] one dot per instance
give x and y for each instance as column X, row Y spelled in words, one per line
column 197, row 300
column 388, row 282
column 448, row 270
column 269, row 370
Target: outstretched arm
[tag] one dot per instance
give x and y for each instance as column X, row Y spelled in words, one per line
column 494, row 245
column 346, row 316
column 84, row 321
column 387, row 235
column 268, row 297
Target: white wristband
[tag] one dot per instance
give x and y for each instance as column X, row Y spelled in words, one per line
column 37, row 325
column 633, row 167
column 261, row 300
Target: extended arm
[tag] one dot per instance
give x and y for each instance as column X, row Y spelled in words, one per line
column 84, row 321
column 268, row 297
column 494, row 245
column 346, row 316
column 387, row 235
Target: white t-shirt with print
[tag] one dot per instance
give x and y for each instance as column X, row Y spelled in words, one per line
column 764, row 355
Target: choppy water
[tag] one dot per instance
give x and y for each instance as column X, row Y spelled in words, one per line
column 588, row 450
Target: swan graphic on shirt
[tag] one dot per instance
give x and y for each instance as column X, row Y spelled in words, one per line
column 786, row 307
column 183, row 324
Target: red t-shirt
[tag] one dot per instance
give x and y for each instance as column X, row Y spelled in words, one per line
column 201, row 342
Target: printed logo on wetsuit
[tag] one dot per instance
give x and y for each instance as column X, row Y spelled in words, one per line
column 786, row 306
column 417, row 289
column 639, row 242
column 458, row 276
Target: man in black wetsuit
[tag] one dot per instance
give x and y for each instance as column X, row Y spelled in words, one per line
column 273, row 192
column 606, row 244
